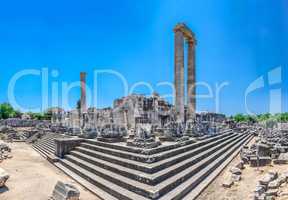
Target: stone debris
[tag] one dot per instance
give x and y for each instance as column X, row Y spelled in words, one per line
column 272, row 145
column 144, row 138
column 5, row 152
column 282, row 159
column 236, row 178
column 240, row 165
column 63, row 191
column 4, row 176
column 236, row 171
column 228, row 183
column 269, row 187
column 274, row 184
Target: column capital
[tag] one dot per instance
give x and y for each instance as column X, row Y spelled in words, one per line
column 192, row 41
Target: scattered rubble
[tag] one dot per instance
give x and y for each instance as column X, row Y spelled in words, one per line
column 4, row 176
column 5, row 151
column 269, row 187
column 272, row 145
column 64, row 191
column 234, row 176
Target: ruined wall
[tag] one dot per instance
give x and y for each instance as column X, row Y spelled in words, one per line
column 14, row 122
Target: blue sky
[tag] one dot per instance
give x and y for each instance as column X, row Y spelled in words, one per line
column 238, row 41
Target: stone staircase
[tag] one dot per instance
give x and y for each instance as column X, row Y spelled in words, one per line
column 168, row 172
column 46, row 146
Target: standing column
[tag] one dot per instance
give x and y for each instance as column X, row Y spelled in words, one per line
column 83, row 92
column 179, row 74
column 191, row 79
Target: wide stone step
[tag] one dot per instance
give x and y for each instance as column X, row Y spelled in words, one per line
column 147, row 190
column 168, row 169
column 103, row 195
column 188, row 153
column 50, row 142
column 193, row 182
column 172, row 182
column 132, row 185
column 46, row 140
column 51, row 145
column 151, row 158
column 42, row 151
column 116, row 160
column 46, row 145
column 188, row 162
column 109, row 187
column 152, row 167
column 211, row 176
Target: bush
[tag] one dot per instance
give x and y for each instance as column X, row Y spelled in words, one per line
column 7, row 111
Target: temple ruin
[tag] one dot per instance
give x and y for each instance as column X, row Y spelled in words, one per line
column 143, row 147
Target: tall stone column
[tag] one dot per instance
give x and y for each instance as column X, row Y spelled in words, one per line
column 179, row 74
column 191, row 79
column 83, row 92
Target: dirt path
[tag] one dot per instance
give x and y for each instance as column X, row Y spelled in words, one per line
column 32, row 177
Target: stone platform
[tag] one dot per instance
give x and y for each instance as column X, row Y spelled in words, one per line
column 170, row 171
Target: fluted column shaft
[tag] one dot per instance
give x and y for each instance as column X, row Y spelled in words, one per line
column 179, row 74
column 83, row 92
column 191, row 79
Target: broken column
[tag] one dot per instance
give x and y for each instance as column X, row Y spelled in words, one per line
column 83, row 92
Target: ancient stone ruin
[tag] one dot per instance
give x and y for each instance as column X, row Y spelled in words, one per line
column 143, row 147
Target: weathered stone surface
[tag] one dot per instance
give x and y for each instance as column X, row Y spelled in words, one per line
column 65, row 145
column 274, row 184
column 265, row 180
column 269, row 198
column 4, row 176
column 283, row 194
column 227, row 183
column 282, row 159
column 282, row 179
column 4, row 128
column 240, row 165
column 262, row 161
column 174, row 129
column 235, row 170
column 64, row 191
column 259, row 196
column 113, row 131
column 5, row 147
column 260, row 189
column 272, row 192
column 273, row 174
column 235, row 177
column 263, row 150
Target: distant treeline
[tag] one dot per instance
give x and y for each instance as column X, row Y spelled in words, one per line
column 280, row 117
column 7, row 111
